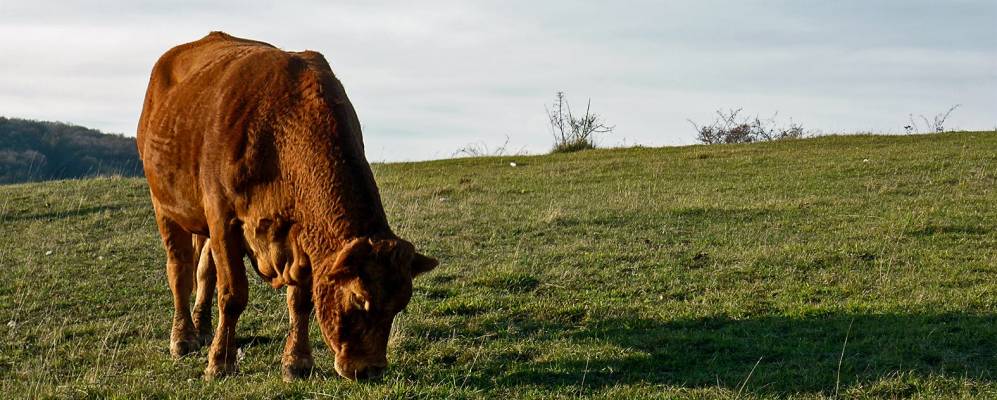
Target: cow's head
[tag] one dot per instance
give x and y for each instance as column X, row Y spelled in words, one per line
column 357, row 296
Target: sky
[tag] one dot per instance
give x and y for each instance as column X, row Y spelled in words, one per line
column 430, row 77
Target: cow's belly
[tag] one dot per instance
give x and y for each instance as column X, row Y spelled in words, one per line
column 173, row 182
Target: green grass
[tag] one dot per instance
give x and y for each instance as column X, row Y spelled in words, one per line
column 694, row 272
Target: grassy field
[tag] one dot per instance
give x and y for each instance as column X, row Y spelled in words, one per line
column 854, row 266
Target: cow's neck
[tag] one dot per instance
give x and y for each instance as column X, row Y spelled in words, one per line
column 337, row 200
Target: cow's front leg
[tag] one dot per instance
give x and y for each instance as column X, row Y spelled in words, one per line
column 205, row 289
column 232, row 298
column 297, row 361
column 180, row 274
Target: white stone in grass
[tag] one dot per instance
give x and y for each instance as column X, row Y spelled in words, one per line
column 865, row 160
column 48, row 253
column 512, row 164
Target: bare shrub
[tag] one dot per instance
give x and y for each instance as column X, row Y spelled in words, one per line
column 573, row 133
column 935, row 125
column 730, row 127
column 481, row 149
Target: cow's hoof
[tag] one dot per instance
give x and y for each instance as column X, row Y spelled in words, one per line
column 180, row 348
column 219, row 371
column 297, row 369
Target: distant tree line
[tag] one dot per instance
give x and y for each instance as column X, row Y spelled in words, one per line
column 40, row 150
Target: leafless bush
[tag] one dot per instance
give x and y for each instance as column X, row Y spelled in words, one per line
column 935, row 125
column 573, row 133
column 730, row 127
column 481, row 149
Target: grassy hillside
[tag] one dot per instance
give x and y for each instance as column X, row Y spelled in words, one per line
column 862, row 266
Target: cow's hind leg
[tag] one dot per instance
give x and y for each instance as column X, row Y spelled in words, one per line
column 180, row 273
column 205, row 289
column 232, row 286
column 297, row 361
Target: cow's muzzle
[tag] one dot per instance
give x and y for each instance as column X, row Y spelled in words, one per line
column 360, row 370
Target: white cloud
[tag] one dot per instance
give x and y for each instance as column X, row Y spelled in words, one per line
column 428, row 77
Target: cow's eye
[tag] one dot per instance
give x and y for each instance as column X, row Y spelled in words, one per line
column 359, row 302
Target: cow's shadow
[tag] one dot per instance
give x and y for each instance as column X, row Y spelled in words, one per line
column 256, row 340
column 782, row 354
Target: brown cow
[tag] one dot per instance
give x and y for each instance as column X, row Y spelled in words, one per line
column 260, row 150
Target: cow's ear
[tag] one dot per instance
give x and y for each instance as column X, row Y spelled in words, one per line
column 352, row 256
column 422, row 264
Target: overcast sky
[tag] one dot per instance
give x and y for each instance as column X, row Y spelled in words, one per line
column 428, row 77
